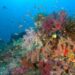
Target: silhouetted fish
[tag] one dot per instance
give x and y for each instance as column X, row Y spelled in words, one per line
column 4, row 7
column 15, row 37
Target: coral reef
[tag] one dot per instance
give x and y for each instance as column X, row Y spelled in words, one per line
column 47, row 49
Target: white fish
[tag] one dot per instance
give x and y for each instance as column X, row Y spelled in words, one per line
column 20, row 26
column 62, row 8
column 16, row 33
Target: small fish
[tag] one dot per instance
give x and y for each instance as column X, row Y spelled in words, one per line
column 4, row 7
column 16, row 33
column 62, row 8
column 26, row 30
column 21, row 26
column 32, row 18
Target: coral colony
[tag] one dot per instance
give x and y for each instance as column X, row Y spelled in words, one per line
column 46, row 49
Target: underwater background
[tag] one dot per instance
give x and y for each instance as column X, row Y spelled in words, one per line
column 37, row 37
column 15, row 12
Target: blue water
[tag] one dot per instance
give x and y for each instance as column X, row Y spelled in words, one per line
column 14, row 12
